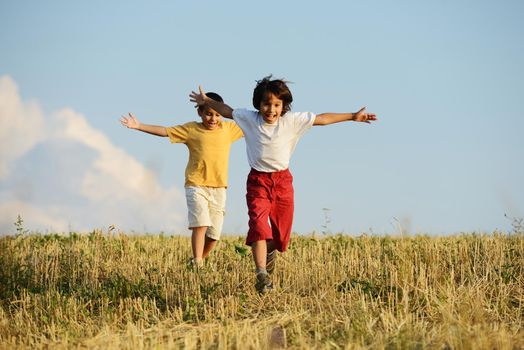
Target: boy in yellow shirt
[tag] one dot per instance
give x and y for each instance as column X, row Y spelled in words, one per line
column 209, row 143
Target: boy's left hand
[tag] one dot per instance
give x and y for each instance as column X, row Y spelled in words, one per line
column 363, row 116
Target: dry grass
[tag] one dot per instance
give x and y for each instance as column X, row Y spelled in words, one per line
column 106, row 291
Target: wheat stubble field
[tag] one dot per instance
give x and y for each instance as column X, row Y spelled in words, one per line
column 118, row 291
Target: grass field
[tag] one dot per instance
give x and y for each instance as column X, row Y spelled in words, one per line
column 117, row 291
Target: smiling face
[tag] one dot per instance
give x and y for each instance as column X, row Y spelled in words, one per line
column 271, row 108
column 210, row 118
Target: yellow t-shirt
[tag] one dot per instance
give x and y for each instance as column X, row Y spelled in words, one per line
column 208, row 151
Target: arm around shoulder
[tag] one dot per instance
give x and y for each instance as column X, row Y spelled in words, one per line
column 223, row 109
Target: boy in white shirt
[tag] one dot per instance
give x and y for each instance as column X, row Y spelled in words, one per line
column 271, row 134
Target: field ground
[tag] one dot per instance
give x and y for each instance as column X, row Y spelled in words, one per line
column 117, row 291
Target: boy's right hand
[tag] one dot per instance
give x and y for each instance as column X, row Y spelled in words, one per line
column 198, row 98
column 130, row 121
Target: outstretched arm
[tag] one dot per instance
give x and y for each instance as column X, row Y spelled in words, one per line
column 201, row 99
column 132, row 122
column 331, row 118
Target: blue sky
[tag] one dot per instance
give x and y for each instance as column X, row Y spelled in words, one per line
column 445, row 79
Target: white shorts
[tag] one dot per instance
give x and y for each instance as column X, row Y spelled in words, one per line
column 206, row 207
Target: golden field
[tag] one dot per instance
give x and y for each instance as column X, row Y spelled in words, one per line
column 116, row 291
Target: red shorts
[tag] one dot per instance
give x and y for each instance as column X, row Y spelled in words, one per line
column 270, row 203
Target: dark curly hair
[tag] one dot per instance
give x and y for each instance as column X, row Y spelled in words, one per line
column 276, row 87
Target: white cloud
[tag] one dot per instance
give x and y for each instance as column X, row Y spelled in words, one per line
column 60, row 173
column 113, row 166
column 21, row 125
column 37, row 216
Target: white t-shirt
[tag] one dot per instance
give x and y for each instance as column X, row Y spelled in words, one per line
column 270, row 146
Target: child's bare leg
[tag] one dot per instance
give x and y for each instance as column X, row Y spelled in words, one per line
column 263, row 283
column 259, row 249
column 208, row 246
column 271, row 256
column 198, row 242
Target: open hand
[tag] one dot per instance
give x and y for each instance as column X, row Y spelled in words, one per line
column 363, row 116
column 130, row 121
column 198, row 98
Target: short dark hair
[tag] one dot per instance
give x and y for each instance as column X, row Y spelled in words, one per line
column 214, row 96
column 276, row 87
